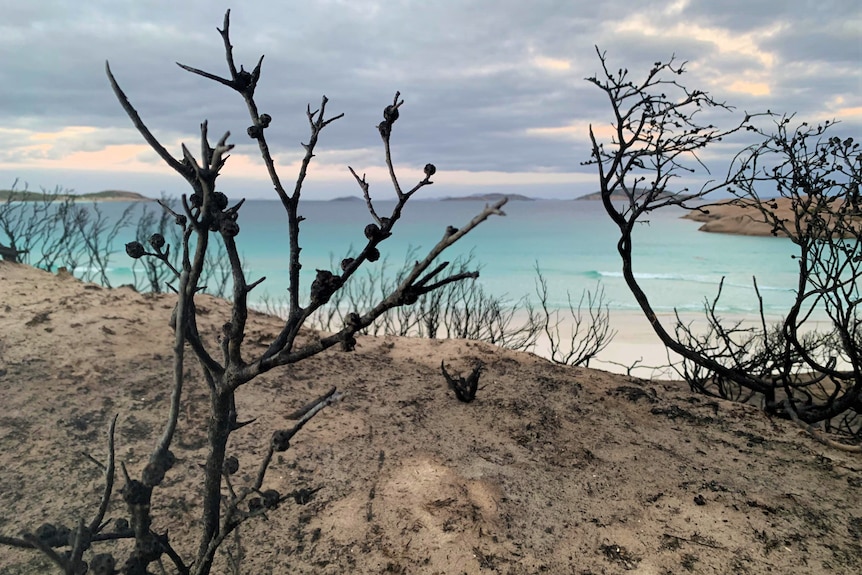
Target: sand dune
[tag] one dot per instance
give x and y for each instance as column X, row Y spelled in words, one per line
column 551, row 470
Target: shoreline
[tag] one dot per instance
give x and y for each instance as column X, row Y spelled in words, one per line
column 638, row 351
column 635, row 349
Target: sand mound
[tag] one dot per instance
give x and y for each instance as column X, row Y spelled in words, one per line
column 550, row 470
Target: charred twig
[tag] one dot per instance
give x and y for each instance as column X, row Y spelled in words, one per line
column 464, row 388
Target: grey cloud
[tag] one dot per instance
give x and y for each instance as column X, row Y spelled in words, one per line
column 464, row 68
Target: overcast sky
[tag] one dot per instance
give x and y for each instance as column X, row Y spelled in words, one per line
column 494, row 89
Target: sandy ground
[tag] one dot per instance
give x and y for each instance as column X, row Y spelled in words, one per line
column 551, row 470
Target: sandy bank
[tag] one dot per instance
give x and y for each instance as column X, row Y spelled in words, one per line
column 550, row 470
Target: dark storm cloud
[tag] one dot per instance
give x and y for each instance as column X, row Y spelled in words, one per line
column 478, row 77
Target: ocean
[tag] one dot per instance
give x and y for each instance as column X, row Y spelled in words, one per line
column 572, row 242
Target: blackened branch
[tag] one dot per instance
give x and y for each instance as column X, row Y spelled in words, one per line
column 363, row 185
column 464, row 388
column 281, row 439
column 96, row 523
column 144, row 131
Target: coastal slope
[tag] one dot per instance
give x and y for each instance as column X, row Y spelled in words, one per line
column 550, row 470
column 735, row 217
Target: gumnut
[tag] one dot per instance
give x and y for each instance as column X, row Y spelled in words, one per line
column 271, row 498
column 103, row 564
column 220, row 201
column 135, row 250
column 324, row 285
column 154, row 471
column 385, row 129
column 196, row 200
column 373, row 255
column 244, row 79
column 372, row 231
column 430, row 170
column 346, row 263
column 231, row 465
column 353, row 321
column 391, row 113
column 265, row 120
column 46, row 531
column 280, row 440
column 53, row 535
column 228, row 228
column 157, row 241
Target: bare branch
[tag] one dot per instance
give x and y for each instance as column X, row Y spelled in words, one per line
column 142, row 128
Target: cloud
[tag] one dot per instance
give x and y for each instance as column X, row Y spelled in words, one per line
column 491, row 86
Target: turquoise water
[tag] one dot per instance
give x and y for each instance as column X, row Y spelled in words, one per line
column 574, row 242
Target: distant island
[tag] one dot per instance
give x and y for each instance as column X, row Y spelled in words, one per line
column 622, row 197
column 493, row 197
column 104, row 196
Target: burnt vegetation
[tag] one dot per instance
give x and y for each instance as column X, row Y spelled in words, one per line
column 813, row 376
column 206, row 218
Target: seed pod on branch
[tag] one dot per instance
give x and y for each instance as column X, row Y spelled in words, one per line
column 353, row 321
column 228, row 228
column 135, row 250
column 324, row 285
column 157, row 241
column 154, row 471
column 385, row 129
column 254, row 132
column 231, row 465
column 372, row 231
column 391, row 113
column 46, row 531
column 280, row 440
column 271, row 498
column 103, row 564
column 220, row 200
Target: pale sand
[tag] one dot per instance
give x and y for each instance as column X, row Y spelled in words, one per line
column 550, row 470
column 636, row 349
column 636, row 341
